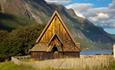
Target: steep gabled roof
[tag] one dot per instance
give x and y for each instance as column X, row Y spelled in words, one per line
column 55, row 35
column 55, row 14
column 44, row 46
column 55, row 30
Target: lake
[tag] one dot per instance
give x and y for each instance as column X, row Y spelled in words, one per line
column 94, row 52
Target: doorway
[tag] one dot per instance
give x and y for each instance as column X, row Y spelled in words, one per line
column 55, row 52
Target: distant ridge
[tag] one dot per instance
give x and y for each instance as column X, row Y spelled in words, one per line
column 38, row 11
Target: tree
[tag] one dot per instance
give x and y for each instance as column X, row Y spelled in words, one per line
column 19, row 41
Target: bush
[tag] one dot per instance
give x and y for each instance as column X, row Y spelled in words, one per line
column 19, row 41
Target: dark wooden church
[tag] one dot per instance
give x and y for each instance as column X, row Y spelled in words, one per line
column 55, row 41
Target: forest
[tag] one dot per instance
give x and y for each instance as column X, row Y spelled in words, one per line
column 18, row 42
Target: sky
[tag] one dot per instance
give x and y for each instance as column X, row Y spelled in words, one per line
column 99, row 12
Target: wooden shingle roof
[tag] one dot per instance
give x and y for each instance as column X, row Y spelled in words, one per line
column 44, row 45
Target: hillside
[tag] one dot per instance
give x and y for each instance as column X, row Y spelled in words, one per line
column 13, row 14
column 113, row 36
column 9, row 22
column 85, row 32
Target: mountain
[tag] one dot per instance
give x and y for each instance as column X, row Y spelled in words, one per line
column 13, row 14
column 38, row 11
column 113, row 36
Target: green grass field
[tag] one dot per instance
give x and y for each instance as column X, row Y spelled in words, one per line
column 12, row 66
column 94, row 63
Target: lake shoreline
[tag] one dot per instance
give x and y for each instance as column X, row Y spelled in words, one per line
column 96, row 52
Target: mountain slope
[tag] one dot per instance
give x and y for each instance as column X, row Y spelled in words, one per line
column 9, row 22
column 113, row 36
column 85, row 32
column 14, row 14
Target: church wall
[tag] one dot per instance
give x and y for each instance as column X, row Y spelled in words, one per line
column 49, row 55
column 55, row 34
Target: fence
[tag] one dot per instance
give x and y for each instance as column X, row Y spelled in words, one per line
column 19, row 59
column 114, row 51
column 16, row 61
column 82, row 62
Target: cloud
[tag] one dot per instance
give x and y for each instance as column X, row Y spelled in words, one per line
column 80, row 6
column 101, row 16
column 112, row 5
column 58, row 1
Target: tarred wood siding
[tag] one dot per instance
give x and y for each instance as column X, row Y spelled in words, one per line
column 56, row 27
column 49, row 55
column 55, row 34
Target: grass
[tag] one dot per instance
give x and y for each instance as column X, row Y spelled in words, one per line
column 90, row 63
column 98, row 62
column 12, row 66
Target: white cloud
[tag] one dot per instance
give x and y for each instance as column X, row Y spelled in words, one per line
column 114, row 25
column 58, row 1
column 80, row 6
column 102, row 16
column 112, row 5
column 93, row 19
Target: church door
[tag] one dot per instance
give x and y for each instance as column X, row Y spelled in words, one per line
column 55, row 52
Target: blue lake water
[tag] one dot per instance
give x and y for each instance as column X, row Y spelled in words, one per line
column 94, row 52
